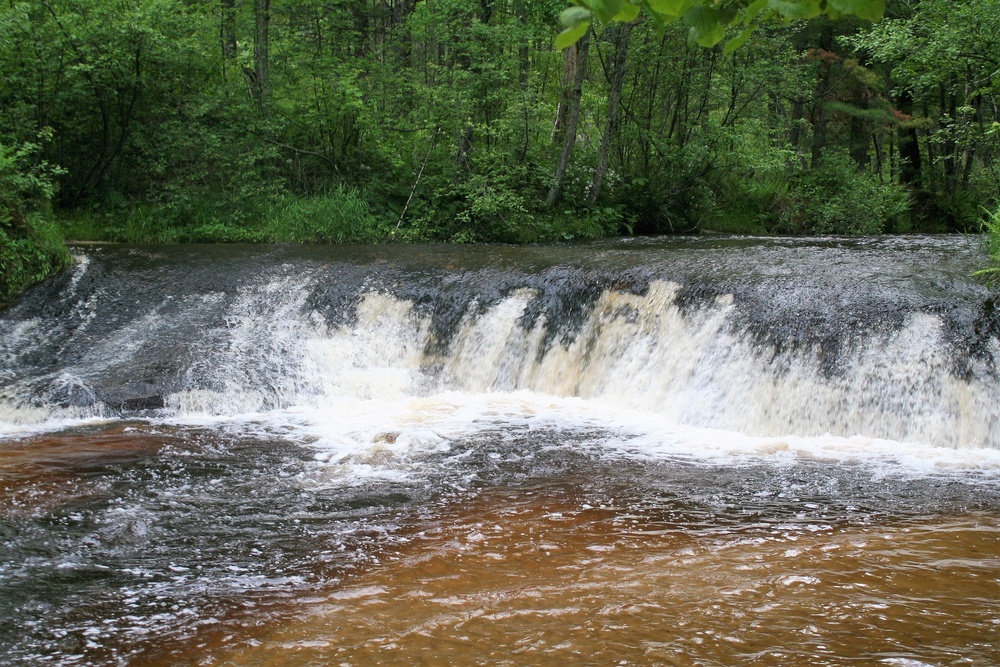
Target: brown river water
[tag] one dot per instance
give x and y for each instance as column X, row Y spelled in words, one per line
column 644, row 452
column 533, row 579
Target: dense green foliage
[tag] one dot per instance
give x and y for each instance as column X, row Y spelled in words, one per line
column 991, row 225
column 708, row 21
column 30, row 245
column 458, row 120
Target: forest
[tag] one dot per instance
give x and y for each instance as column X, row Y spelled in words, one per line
column 354, row 121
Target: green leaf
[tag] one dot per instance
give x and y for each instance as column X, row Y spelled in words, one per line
column 712, row 37
column 571, row 36
column 605, row 10
column 708, row 26
column 728, row 15
column 795, row 9
column 574, row 16
column 738, row 41
column 755, row 8
column 866, row 9
column 669, row 10
column 628, row 13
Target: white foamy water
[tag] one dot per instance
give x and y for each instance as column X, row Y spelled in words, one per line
column 637, row 362
column 694, row 378
column 391, row 439
column 238, row 430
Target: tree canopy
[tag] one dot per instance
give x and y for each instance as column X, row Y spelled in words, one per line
column 461, row 120
column 707, row 21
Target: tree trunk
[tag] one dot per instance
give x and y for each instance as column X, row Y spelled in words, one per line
column 463, row 58
column 858, row 142
column 523, row 49
column 909, row 146
column 819, row 118
column 572, row 119
column 620, row 35
column 571, row 70
column 950, row 150
column 261, row 55
column 401, row 11
column 227, row 32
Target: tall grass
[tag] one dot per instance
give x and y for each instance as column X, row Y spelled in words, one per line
column 991, row 242
column 31, row 255
column 339, row 216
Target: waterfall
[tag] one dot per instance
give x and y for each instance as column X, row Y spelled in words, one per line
column 764, row 338
column 204, row 444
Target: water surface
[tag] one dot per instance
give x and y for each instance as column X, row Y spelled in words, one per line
column 661, row 452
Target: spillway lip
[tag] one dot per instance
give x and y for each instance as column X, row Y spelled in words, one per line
column 818, row 330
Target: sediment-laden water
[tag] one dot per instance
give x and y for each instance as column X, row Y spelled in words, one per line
column 660, row 452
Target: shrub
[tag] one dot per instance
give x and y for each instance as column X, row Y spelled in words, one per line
column 340, row 216
column 31, row 247
column 838, row 199
column 991, row 244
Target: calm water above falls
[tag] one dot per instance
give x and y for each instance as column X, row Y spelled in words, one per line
column 676, row 452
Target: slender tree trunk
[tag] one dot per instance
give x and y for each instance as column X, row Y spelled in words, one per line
column 261, row 55
column 776, row 110
column 466, row 139
column 227, row 32
column 970, row 147
column 362, row 24
column 819, row 118
column 858, row 142
column 572, row 62
column 463, row 156
column 950, row 150
column 876, row 140
column 524, row 48
column 401, row 11
column 892, row 157
column 573, row 118
column 795, row 129
column 621, row 36
column 909, row 146
column 524, row 71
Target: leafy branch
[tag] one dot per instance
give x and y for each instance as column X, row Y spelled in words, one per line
column 708, row 20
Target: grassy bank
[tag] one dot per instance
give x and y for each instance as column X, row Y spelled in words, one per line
column 35, row 249
column 30, row 252
column 834, row 200
column 343, row 215
column 991, row 226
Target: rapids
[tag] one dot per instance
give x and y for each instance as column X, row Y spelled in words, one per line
column 706, row 451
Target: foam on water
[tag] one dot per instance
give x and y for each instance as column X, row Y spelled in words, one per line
column 694, row 373
column 294, row 421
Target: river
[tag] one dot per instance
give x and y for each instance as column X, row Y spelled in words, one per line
column 684, row 451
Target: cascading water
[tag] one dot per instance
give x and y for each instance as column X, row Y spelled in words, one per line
column 826, row 338
column 162, row 406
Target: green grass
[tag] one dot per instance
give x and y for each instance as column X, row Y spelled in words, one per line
column 991, row 226
column 29, row 254
column 339, row 216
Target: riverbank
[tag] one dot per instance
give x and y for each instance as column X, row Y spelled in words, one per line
column 29, row 253
column 345, row 215
column 852, row 207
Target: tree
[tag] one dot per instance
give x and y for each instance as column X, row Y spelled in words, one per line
column 619, row 37
column 707, row 20
column 30, row 247
column 262, row 55
column 942, row 63
column 578, row 66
